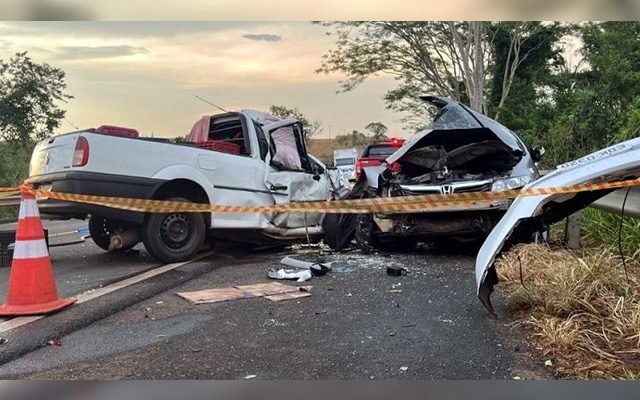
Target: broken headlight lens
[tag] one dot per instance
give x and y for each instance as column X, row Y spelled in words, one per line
column 510, row 183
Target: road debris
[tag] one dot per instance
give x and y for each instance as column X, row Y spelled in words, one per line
column 403, row 369
column 54, row 342
column 273, row 291
column 250, row 376
column 300, row 275
column 273, row 322
column 396, row 271
column 288, row 296
column 316, row 268
column 148, row 313
column 3, row 340
column 213, row 295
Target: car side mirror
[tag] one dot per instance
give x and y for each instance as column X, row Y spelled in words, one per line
column 537, row 152
column 317, row 169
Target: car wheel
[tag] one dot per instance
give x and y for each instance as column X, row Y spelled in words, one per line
column 364, row 233
column 174, row 237
column 101, row 228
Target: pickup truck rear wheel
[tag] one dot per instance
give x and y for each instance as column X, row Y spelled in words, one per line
column 173, row 237
column 101, row 229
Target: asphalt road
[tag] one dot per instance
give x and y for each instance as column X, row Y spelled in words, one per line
column 83, row 266
column 358, row 323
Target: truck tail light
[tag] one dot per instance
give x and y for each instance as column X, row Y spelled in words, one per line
column 358, row 168
column 394, row 167
column 81, row 152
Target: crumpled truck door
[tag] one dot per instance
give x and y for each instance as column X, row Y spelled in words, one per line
column 288, row 184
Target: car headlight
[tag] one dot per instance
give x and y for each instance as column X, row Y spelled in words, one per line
column 510, row 183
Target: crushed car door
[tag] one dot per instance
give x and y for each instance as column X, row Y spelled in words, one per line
column 291, row 175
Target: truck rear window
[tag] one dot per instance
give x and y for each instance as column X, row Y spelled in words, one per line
column 231, row 132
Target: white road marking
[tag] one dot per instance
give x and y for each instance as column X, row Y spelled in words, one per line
column 95, row 293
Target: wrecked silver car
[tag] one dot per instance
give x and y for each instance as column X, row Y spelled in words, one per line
column 528, row 215
column 460, row 151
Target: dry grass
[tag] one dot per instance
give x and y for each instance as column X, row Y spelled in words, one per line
column 581, row 309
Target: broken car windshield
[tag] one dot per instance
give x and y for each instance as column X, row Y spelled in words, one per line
column 453, row 116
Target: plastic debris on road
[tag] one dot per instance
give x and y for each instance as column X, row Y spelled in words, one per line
column 316, row 268
column 300, row 275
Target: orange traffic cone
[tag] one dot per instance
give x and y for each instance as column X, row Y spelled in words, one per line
column 32, row 288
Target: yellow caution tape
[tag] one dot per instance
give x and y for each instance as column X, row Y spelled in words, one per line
column 402, row 204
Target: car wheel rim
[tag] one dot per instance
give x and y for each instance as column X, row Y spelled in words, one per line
column 175, row 230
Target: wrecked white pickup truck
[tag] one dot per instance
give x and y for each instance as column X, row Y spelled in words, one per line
column 528, row 215
column 244, row 158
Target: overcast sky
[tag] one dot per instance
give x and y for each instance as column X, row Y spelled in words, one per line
column 145, row 74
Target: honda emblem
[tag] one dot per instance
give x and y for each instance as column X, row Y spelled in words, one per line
column 446, row 189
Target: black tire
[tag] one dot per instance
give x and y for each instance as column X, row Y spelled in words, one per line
column 174, row 237
column 364, row 234
column 339, row 230
column 369, row 240
column 101, row 228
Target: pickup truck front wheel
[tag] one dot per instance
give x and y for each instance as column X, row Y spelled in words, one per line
column 174, row 237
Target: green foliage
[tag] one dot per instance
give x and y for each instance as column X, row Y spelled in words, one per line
column 353, row 139
column 377, row 130
column 601, row 229
column 29, row 93
column 310, row 127
column 179, row 139
column 412, row 52
column 595, row 106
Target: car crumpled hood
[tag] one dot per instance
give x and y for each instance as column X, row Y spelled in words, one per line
column 422, row 137
column 618, row 162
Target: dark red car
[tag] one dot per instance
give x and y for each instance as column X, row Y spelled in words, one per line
column 376, row 153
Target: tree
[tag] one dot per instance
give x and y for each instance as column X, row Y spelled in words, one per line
column 596, row 106
column 452, row 59
column 377, row 129
column 29, row 93
column 353, row 139
column 29, row 96
column 311, row 128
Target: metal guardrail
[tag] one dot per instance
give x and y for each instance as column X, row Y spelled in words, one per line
column 613, row 202
column 10, row 201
